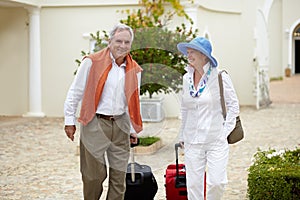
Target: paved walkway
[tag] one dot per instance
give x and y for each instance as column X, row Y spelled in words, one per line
column 39, row 162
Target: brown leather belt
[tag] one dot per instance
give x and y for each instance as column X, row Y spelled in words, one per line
column 108, row 117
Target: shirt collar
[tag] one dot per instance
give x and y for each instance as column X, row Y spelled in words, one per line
column 114, row 61
column 191, row 69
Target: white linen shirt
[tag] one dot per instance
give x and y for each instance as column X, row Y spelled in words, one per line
column 202, row 118
column 112, row 101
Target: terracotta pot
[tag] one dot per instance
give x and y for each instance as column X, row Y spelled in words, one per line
column 287, row 72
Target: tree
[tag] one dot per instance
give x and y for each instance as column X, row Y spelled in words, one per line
column 155, row 46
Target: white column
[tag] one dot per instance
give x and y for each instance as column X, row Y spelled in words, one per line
column 35, row 100
column 290, row 47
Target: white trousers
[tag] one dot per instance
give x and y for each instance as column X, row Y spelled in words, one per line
column 213, row 159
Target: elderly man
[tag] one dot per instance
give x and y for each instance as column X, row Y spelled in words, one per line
column 107, row 83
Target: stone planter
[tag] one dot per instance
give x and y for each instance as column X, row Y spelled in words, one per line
column 152, row 109
column 144, row 150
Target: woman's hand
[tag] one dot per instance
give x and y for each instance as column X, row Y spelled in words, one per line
column 181, row 144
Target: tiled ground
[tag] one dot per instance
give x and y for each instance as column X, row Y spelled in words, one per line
column 39, row 162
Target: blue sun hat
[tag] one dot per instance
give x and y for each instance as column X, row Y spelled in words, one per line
column 200, row 44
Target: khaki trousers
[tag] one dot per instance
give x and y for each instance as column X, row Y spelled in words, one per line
column 102, row 136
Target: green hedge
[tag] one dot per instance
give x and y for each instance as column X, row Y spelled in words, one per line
column 275, row 175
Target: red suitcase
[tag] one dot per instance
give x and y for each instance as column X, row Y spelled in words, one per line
column 175, row 180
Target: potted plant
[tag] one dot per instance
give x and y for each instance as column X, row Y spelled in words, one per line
column 155, row 49
column 287, row 72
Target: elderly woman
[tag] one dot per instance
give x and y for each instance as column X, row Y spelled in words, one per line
column 203, row 133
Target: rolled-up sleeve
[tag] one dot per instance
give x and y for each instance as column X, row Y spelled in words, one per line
column 76, row 91
column 183, row 110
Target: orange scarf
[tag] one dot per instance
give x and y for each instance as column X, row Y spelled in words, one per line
column 101, row 65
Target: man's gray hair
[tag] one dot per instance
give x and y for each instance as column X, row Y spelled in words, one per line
column 121, row 27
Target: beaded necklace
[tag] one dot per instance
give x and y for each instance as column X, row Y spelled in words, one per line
column 202, row 83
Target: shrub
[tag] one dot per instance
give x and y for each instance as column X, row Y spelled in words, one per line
column 275, row 175
column 147, row 141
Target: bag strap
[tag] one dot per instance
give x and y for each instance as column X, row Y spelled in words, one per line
column 222, row 93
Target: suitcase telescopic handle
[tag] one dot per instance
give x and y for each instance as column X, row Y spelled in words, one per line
column 177, row 145
column 132, row 165
column 132, row 159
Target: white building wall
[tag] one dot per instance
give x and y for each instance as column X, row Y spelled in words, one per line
column 290, row 19
column 61, row 46
column 229, row 24
column 276, row 34
column 232, row 36
column 13, row 61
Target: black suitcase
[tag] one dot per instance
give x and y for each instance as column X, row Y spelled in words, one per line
column 140, row 181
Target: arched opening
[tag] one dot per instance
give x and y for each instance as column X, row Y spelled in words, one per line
column 296, row 36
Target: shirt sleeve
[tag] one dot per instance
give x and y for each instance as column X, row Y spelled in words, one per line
column 183, row 111
column 76, row 91
column 231, row 104
column 139, row 75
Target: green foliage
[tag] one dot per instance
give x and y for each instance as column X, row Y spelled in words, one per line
column 279, row 78
column 147, row 141
column 153, row 13
column 155, row 46
column 275, row 175
column 155, row 50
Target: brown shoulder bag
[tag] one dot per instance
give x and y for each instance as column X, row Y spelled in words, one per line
column 237, row 133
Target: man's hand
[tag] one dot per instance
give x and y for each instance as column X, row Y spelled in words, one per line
column 133, row 139
column 70, row 131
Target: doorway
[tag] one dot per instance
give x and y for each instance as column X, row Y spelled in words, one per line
column 296, row 37
column 297, row 56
